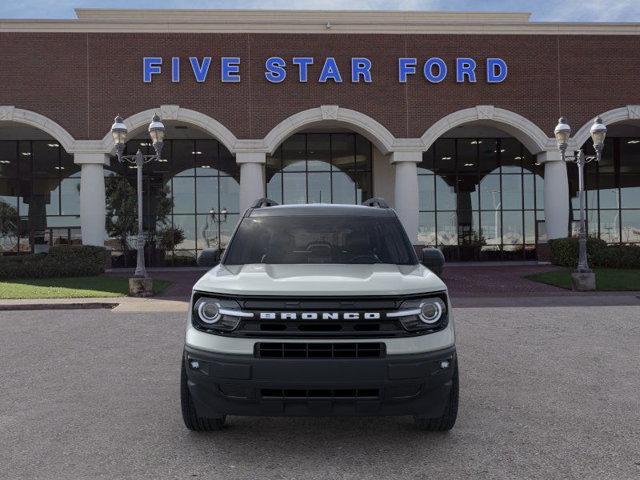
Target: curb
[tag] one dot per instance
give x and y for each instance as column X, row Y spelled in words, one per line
column 58, row 306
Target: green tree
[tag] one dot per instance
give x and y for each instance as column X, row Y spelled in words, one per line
column 9, row 222
column 122, row 209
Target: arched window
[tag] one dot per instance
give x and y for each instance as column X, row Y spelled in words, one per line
column 612, row 189
column 321, row 168
column 39, row 195
column 480, row 198
column 191, row 200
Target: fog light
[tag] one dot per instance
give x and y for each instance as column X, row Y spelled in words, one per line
column 194, row 364
column 444, row 364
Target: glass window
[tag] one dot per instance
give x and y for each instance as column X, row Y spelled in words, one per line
column 427, row 228
column 486, row 210
column 343, row 188
column 629, row 155
column 230, row 194
column 316, row 239
column 510, row 155
column 512, row 192
column 318, row 152
column 343, row 151
column 447, row 228
column 274, row 187
column 630, row 191
column 293, row 153
column 467, row 154
column 467, row 196
column 488, row 155
column 426, row 187
column 364, row 153
column 70, row 196
column 445, row 156
column 183, row 193
column 320, row 167
column 630, row 226
column 294, row 187
column 445, row 194
column 183, row 156
column 320, row 188
column 207, row 194
column 610, row 225
column 427, row 164
column 8, row 159
column 512, row 228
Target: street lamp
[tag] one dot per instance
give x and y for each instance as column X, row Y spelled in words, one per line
column 222, row 216
column 598, row 133
column 156, row 132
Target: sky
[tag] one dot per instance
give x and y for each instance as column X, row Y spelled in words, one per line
column 542, row 10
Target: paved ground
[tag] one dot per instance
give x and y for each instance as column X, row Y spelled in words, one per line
column 545, row 393
column 463, row 281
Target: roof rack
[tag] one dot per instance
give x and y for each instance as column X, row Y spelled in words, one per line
column 376, row 202
column 264, row 202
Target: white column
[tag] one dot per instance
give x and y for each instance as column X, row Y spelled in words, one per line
column 92, row 197
column 556, row 194
column 406, row 190
column 251, row 177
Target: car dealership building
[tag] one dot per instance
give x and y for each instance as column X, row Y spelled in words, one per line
column 448, row 116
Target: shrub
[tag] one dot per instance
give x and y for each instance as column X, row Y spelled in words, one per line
column 564, row 252
column 619, row 256
column 61, row 261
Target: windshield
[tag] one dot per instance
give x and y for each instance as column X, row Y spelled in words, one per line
column 307, row 239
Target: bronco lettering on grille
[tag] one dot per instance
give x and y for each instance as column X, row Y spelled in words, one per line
column 319, row 316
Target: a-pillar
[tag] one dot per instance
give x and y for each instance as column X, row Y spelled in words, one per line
column 92, row 197
column 406, row 190
column 251, row 177
column 556, row 194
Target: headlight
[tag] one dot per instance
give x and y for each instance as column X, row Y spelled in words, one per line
column 431, row 311
column 208, row 310
column 422, row 314
column 213, row 314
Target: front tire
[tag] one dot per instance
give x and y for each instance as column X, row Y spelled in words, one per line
column 190, row 417
column 450, row 414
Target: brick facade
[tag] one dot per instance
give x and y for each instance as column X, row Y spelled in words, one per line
column 81, row 80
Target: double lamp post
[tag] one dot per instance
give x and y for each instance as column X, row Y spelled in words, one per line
column 583, row 278
column 140, row 284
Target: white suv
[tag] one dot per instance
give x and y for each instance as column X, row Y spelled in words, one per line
column 319, row 310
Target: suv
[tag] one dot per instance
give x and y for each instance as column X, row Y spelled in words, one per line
column 319, row 310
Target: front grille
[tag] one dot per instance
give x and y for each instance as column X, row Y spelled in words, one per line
column 296, row 328
column 382, row 328
column 327, row 328
column 325, row 393
column 320, row 350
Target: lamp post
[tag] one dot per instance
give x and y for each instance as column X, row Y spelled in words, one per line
column 156, row 132
column 583, row 278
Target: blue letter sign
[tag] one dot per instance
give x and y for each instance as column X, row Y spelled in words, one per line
column 434, row 69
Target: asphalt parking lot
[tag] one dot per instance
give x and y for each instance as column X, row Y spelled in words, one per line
column 545, row 393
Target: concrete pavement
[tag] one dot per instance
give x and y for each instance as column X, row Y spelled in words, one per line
column 546, row 392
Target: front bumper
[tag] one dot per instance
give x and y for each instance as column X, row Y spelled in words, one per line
column 414, row 384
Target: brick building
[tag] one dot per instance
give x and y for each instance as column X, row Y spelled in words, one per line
column 449, row 116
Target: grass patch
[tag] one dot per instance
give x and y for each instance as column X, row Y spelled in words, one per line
column 607, row 279
column 73, row 287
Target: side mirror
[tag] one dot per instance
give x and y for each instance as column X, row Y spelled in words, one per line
column 433, row 259
column 209, row 257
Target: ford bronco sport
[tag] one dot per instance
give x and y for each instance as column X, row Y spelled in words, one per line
column 319, row 310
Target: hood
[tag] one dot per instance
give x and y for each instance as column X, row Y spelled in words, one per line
column 319, row 280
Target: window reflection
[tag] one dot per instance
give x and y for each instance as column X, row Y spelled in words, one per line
column 320, row 168
column 39, row 196
column 479, row 199
column 612, row 192
column 191, row 199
